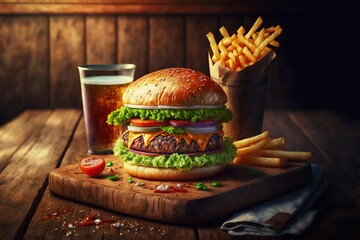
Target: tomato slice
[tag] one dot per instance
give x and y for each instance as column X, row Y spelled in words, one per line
column 147, row 123
column 92, row 165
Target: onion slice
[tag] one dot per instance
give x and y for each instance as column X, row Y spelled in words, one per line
column 143, row 129
column 202, row 130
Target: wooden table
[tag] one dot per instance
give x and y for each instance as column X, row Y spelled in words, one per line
column 38, row 141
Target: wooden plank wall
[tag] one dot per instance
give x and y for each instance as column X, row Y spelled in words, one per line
column 39, row 53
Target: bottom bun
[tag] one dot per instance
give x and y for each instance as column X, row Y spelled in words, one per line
column 172, row 174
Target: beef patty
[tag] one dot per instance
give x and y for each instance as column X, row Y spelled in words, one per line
column 168, row 144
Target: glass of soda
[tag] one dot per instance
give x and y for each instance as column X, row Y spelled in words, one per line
column 102, row 86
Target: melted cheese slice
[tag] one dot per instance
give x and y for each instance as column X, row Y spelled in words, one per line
column 201, row 139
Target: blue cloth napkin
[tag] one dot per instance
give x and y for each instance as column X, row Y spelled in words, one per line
column 290, row 213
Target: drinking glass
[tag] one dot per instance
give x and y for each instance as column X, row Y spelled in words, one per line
column 102, row 87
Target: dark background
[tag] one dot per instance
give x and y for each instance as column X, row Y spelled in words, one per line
column 326, row 60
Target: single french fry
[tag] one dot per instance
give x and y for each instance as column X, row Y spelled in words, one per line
column 222, row 57
column 210, row 37
column 274, row 43
column 273, row 143
column 213, row 45
column 270, row 29
column 215, row 50
column 260, row 37
column 252, row 148
column 224, row 32
column 242, row 61
column 261, row 161
column 241, row 30
column 255, row 35
column 222, row 47
column 289, row 155
column 213, row 58
column 249, row 55
column 232, row 64
column 251, row 140
column 255, row 26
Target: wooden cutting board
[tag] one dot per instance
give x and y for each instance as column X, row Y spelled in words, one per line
column 242, row 186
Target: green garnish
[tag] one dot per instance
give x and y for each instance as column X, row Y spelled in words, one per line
column 201, row 186
column 216, row 184
column 113, row 177
column 130, row 180
column 109, row 164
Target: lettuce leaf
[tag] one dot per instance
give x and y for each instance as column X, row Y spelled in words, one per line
column 180, row 161
column 119, row 116
column 172, row 129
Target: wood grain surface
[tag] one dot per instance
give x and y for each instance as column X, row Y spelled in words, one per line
column 197, row 46
column 100, row 39
column 24, row 64
column 241, row 188
column 132, row 42
column 166, row 42
column 26, row 158
column 67, row 52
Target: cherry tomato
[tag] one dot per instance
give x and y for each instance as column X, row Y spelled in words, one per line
column 92, row 165
column 147, row 123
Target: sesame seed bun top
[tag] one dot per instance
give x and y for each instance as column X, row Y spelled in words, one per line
column 174, row 87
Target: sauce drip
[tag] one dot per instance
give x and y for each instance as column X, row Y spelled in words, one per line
column 55, row 214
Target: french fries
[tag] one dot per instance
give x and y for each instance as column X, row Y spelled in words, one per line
column 243, row 49
column 261, row 161
column 262, row 150
column 251, row 140
column 252, row 148
column 274, row 143
column 290, row 155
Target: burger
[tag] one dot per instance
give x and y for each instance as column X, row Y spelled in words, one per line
column 174, row 120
